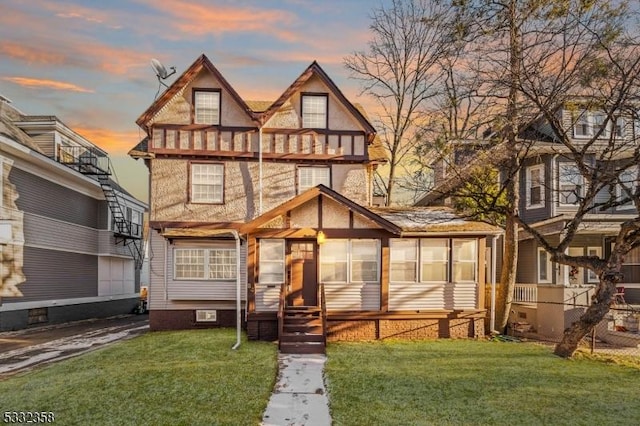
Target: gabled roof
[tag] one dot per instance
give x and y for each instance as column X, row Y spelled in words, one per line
column 314, row 193
column 8, row 116
column 201, row 63
column 315, row 69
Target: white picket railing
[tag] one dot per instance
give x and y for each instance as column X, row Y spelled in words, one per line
column 525, row 293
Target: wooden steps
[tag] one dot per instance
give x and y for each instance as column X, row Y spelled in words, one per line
column 303, row 331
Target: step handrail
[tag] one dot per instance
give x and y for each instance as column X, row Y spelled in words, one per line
column 281, row 301
column 323, row 311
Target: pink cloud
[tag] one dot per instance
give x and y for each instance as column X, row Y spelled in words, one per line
column 201, row 19
column 35, row 83
column 115, row 142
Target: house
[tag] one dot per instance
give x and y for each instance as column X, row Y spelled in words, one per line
column 275, row 199
column 549, row 297
column 70, row 236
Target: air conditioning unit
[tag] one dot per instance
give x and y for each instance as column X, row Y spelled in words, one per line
column 206, row 316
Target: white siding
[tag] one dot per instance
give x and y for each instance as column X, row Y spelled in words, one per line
column 429, row 296
column 159, row 294
column 207, row 289
column 267, row 297
column 352, row 296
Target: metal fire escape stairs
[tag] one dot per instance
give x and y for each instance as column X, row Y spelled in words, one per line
column 95, row 164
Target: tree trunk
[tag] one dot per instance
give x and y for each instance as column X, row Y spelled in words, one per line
column 392, row 178
column 507, row 274
column 592, row 316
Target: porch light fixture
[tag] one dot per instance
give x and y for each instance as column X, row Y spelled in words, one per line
column 320, row 237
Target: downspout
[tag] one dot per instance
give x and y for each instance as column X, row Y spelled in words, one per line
column 260, row 171
column 238, row 292
column 166, row 250
column 492, row 322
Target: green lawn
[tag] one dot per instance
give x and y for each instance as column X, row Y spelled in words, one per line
column 162, row 378
column 471, row 383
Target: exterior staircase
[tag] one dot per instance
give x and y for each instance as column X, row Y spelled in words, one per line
column 303, row 330
column 94, row 164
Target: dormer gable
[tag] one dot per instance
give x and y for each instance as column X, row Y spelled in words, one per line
column 203, row 83
column 314, row 90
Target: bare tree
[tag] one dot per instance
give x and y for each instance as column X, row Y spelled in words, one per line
column 400, row 71
column 543, row 58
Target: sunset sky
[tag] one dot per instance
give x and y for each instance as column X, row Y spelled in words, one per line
column 88, row 62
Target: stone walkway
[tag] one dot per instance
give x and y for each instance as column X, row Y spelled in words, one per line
column 299, row 397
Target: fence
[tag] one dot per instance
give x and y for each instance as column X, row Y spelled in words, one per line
column 618, row 333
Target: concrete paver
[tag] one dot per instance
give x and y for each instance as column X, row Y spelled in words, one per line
column 299, row 397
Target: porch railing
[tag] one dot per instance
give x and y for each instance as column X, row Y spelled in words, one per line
column 525, row 293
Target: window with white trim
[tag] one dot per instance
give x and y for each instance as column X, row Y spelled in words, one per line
column 364, row 261
column 434, row 260
column 592, row 277
column 535, row 186
column 619, row 127
column 464, row 261
column 207, row 107
column 216, row 264
column 582, row 127
column 207, row 183
column 544, row 266
column 271, row 266
column 404, row 262
column 314, row 111
column 334, row 261
column 356, row 261
column 588, row 123
column 308, row 177
column 628, row 182
column 570, row 184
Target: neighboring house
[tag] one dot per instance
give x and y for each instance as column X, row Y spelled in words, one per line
column 548, row 296
column 290, row 183
column 70, row 237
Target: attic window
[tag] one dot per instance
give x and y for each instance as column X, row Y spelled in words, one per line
column 314, row 111
column 207, row 107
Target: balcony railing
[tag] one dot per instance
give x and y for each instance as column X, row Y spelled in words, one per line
column 83, row 159
column 245, row 142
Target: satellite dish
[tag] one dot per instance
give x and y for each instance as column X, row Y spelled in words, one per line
column 161, row 72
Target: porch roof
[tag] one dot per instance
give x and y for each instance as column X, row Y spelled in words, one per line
column 433, row 220
column 598, row 224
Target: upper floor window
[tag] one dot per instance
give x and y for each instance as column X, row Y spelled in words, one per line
column 570, row 183
column 314, row 111
column 535, row 186
column 628, row 182
column 207, row 107
column 590, row 123
column 308, row 177
column 207, row 183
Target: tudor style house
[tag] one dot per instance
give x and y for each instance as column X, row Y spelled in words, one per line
column 70, row 236
column 548, row 297
column 275, row 199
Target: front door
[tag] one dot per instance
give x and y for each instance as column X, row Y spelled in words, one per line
column 303, row 274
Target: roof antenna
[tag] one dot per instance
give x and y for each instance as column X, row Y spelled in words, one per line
column 161, row 73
